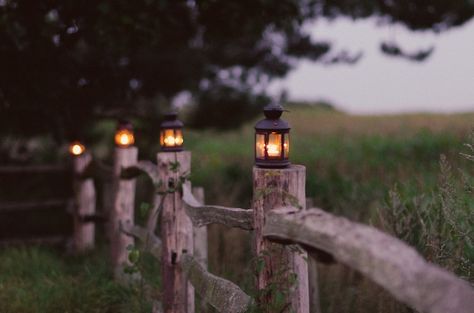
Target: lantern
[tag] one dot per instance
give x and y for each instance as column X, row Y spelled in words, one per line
column 171, row 133
column 76, row 148
column 272, row 139
column 124, row 137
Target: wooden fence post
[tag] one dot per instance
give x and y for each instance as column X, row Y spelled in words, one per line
column 176, row 233
column 85, row 198
column 123, row 210
column 314, row 300
column 200, row 233
column 282, row 271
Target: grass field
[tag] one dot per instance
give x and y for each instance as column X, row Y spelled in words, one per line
column 382, row 170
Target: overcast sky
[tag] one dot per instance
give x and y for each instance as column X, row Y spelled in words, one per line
column 383, row 84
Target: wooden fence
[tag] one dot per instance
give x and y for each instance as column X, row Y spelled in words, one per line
column 27, row 196
column 288, row 239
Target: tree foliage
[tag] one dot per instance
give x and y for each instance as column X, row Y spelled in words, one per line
column 65, row 63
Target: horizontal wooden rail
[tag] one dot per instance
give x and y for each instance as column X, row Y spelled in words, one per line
column 208, row 214
column 221, row 294
column 149, row 240
column 146, row 167
column 386, row 260
column 97, row 169
column 93, row 218
column 46, row 240
column 33, row 169
column 33, row 205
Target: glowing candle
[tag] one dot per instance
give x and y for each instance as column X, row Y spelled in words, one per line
column 76, row 148
column 171, row 134
column 273, row 150
column 124, row 138
column 272, row 141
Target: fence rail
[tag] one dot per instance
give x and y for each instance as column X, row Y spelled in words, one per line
column 33, row 169
column 202, row 215
column 221, row 294
column 279, row 221
column 386, row 260
column 34, row 205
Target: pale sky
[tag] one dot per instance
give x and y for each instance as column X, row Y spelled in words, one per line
column 382, row 84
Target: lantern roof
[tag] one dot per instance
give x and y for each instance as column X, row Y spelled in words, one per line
column 272, row 120
column 124, row 124
column 171, row 120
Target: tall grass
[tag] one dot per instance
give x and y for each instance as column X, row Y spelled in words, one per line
column 383, row 170
column 41, row 280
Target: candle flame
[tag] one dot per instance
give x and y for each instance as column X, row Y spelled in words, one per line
column 171, row 141
column 273, row 150
column 124, row 138
column 76, row 148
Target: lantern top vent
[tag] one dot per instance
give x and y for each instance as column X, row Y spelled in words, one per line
column 171, row 120
column 272, row 119
column 124, row 124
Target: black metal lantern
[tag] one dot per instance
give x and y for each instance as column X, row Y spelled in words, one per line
column 272, row 139
column 124, row 136
column 171, row 133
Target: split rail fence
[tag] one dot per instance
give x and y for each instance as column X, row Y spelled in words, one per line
column 288, row 239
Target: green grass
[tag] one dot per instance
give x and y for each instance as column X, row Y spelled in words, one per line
column 37, row 280
column 382, row 170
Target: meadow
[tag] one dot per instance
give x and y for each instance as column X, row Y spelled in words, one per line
column 404, row 174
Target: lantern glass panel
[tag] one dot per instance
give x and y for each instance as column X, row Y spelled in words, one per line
column 168, row 138
column 286, row 146
column 178, row 137
column 274, row 145
column 162, row 138
column 260, row 146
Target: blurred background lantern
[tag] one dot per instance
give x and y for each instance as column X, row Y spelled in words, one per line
column 76, row 148
column 124, row 135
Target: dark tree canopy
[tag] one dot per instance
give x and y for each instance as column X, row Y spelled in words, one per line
column 64, row 63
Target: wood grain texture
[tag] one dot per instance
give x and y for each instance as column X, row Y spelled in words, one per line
column 123, row 211
column 147, row 167
column 202, row 214
column 176, row 232
column 150, row 242
column 98, row 170
column 154, row 213
column 221, row 294
column 200, row 233
column 313, row 276
column 280, row 264
column 85, row 202
column 386, row 260
column 200, row 244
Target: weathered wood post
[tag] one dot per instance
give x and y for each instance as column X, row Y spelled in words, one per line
column 314, row 300
column 123, row 210
column 85, row 198
column 176, row 232
column 282, row 271
column 200, row 233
